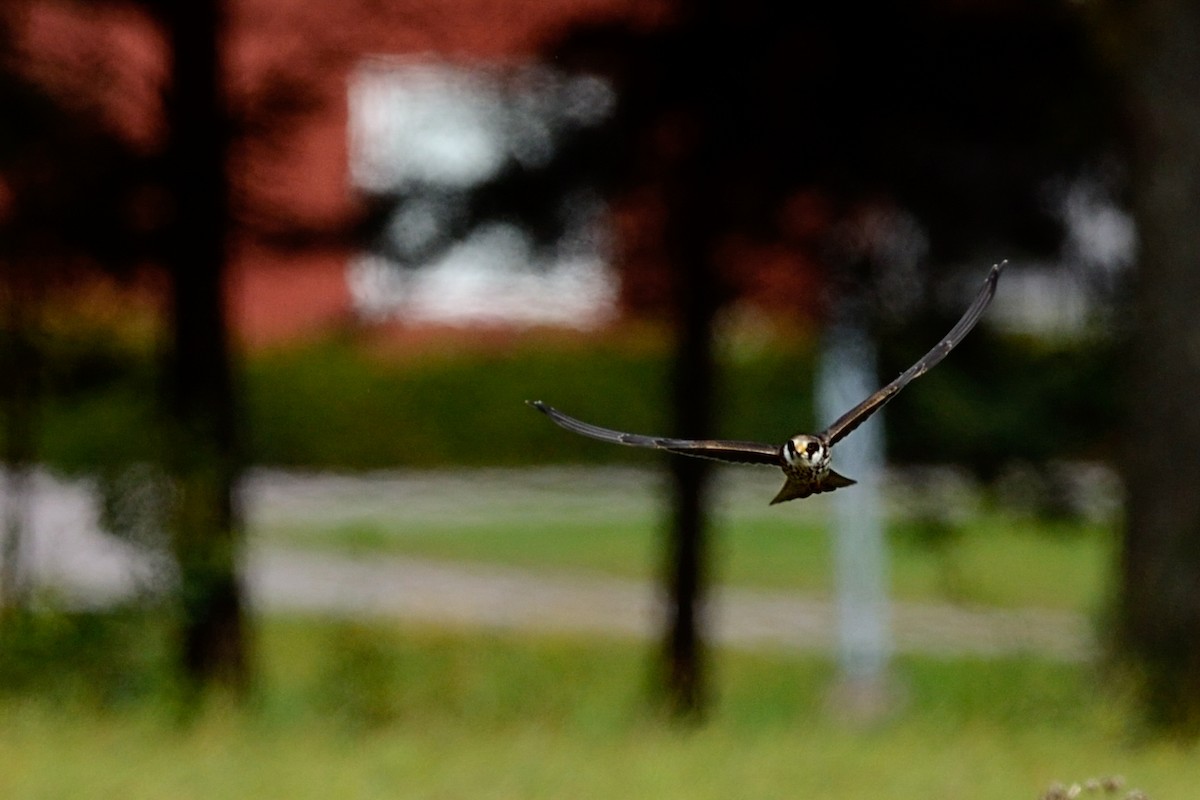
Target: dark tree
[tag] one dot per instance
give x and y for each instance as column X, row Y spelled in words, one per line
column 78, row 198
column 734, row 116
column 696, row 299
column 65, row 192
column 1159, row 601
column 202, row 450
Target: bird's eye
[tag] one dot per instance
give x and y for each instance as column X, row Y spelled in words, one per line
column 813, row 447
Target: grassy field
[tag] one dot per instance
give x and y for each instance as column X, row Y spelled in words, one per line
column 610, row 521
column 398, row 710
column 996, row 563
column 392, row 711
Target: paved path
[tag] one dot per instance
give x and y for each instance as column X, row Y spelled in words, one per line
column 477, row 595
column 70, row 555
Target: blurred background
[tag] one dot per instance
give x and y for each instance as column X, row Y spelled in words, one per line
column 277, row 278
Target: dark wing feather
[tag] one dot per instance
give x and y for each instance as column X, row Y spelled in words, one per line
column 718, row 449
column 861, row 412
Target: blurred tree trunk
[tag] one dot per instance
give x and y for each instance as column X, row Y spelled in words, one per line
column 696, row 205
column 202, row 456
column 692, row 389
column 1159, row 605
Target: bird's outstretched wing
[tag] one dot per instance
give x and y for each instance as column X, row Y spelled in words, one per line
column 718, row 449
column 861, row 412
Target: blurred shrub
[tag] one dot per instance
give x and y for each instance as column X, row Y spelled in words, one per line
column 335, row 406
column 102, row 658
column 1000, row 400
column 97, row 394
column 338, row 405
column 996, row 401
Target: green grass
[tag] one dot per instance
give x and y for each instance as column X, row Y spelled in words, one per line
column 364, row 712
column 993, row 559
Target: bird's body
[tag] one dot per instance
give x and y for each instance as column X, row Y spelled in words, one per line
column 804, row 458
column 806, row 464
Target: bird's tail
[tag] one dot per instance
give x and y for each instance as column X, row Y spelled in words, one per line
column 794, row 489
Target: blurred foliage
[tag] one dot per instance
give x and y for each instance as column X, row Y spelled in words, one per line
column 95, row 658
column 1001, row 399
column 100, row 406
column 335, row 406
column 339, row 405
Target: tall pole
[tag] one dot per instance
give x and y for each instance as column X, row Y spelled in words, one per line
column 846, row 374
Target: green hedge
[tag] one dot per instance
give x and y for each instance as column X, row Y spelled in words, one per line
column 338, row 405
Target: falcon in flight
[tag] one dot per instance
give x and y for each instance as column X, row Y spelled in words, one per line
column 804, row 458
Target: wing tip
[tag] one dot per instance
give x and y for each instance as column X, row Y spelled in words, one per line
column 539, row 405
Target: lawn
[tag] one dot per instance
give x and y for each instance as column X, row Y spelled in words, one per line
column 610, row 521
column 403, row 710
column 397, row 711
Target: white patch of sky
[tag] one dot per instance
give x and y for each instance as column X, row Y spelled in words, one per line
column 421, row 124
column 1040, row 297
column 1099, row 234
column 1065, row 296
column 415, row 124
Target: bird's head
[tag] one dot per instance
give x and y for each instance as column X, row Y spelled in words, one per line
column 806, row 452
